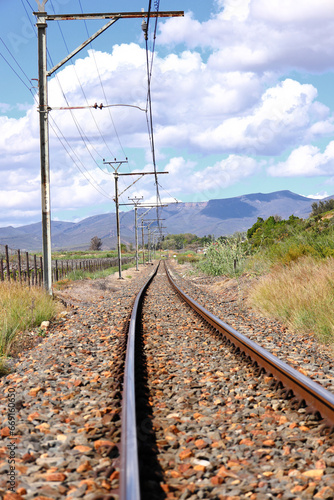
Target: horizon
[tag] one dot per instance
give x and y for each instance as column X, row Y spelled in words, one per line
column 181, row 202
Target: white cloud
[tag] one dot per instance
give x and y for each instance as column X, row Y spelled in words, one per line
column 306, row 161
column 318, row 196
column 235, row 9
column 4, row 108
column 298, row 11
column 262, row 35
column 186, row 179
column 285, row 115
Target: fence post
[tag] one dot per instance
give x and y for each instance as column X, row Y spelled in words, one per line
column 1, row 269
column 28, row 270
column 19, row 265
column 56, row 270
column 7, row 262
column 35, row 267
column 41, row 273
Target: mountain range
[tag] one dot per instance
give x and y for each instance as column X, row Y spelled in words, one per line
column 218, row 217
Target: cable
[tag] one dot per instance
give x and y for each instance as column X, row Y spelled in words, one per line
column 11, row 67
column 149, row 114
column 102, row 86
column 53, row 125
column 82, row 134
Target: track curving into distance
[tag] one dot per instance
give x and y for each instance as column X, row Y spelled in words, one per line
column 304, row 390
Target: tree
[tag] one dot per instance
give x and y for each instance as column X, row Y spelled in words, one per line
column 323, row 206
column 95, row 243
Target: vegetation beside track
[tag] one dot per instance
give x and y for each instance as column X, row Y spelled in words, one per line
column 21, row 308
column 80, row 274
column 293, row 261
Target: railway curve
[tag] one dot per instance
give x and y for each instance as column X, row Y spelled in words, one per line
column 297, row 388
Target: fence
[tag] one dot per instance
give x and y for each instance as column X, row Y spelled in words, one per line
column 24, row 268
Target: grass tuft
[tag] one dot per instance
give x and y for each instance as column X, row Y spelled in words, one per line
column 21, row 308
column 301, row 295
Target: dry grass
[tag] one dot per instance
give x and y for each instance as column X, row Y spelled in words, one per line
column 21, row 308
column 301, row 295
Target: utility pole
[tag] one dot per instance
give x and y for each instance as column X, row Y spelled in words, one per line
column 116, row 175
column 148, row 225
column 42, row 18
column 117, row 195
column 136, row 201
column 44, row 148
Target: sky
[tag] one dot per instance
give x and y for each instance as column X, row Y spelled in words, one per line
column 242, row 102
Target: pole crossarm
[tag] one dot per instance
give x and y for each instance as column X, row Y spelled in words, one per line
column 82, row 46
column 142, row 206
column 112, row 15
column 142, row 173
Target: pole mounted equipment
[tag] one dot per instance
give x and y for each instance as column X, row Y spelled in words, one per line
column 41, row 5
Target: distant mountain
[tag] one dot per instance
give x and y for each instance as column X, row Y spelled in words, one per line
column 218, row 217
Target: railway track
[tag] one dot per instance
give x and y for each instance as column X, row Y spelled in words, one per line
column 198, row 421
column 207, row 425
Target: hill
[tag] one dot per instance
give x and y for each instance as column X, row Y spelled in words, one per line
column 218, row 217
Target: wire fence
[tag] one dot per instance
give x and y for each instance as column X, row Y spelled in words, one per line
column 18, row 266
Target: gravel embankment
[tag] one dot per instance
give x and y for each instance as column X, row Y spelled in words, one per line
column 221, row 432
column 303, row 352
column 67, row 398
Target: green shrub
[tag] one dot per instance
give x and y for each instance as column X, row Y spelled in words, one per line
column 226, row 258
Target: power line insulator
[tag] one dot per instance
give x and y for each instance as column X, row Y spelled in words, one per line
column 144, row 28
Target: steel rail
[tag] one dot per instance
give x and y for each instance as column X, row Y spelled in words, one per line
column 129, row 474
column 319, row 399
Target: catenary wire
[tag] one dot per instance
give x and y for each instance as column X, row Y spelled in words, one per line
column 149, row 114
column 53, row 124
column 102, row 86
column 82, row 90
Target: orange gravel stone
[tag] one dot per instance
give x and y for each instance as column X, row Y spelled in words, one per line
column 184, row 467
column 100, row 443
column 84, row 467
column 325, row 492
column 200, row 468
column 114, row 475
column 268, row 442
column 55, row 476
column 200, row 444
column 21, row 491
column 223, row 472
column 5, row 432
column 34, row 391
column 247, row 442
column 13, row 496
column 185, row 454
column 82, row 448
column 33, row 416
column 314, row 473
column 215, row 480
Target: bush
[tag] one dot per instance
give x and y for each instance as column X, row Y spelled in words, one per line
column 226, row 258
column 191, row 258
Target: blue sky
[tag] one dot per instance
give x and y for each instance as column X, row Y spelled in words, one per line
column 242, row 97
